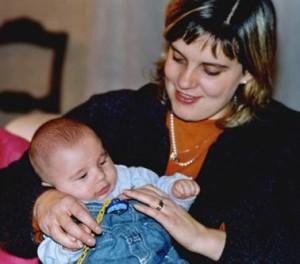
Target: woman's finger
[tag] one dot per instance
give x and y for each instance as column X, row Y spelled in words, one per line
column 151, row 199
column 144, row 195
column 80, row 212
column 65, row 239
column 66, row 222
column 150, row 190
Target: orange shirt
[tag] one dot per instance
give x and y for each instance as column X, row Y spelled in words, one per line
column 193, row 140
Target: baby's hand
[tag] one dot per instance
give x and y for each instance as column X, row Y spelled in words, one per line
column 185, row 188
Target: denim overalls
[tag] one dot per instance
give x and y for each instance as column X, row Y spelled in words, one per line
column 130, row 237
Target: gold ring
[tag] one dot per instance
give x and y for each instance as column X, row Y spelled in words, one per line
column 160, row 205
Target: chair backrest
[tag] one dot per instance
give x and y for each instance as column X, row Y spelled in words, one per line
column 24, row 30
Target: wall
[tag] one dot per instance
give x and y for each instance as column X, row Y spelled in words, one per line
column 288, row 81
column 126, row 43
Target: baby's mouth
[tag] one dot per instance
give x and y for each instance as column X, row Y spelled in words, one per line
column 102, row 193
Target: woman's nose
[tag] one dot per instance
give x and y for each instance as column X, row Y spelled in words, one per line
column 187, row 79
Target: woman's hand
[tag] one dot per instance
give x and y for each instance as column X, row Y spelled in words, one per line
column 180, row 224
column 53, row 211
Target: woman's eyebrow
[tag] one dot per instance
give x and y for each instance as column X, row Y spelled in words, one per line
column 215, row 65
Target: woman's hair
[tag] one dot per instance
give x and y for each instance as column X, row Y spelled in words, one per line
column 52, row 135
column 244, row 30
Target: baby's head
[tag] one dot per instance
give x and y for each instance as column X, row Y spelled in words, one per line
column 69, row 156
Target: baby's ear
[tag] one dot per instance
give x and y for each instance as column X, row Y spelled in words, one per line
column 46, row 184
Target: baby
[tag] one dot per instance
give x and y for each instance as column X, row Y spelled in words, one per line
column 69, row 156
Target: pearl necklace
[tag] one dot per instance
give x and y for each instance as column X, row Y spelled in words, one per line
column 174, row 153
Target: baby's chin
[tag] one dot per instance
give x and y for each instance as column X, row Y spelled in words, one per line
column 101, row 197
column 94, row 197
column 105, row 192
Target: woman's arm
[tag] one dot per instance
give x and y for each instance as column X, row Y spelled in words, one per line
column 180, row 224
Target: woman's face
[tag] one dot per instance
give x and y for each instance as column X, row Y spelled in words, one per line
column 199, row 84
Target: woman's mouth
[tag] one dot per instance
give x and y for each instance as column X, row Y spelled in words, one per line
column 185, row 98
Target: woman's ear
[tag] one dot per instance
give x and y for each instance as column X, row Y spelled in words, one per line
column 246, row 78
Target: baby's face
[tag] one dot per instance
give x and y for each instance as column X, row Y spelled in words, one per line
column 84, row 170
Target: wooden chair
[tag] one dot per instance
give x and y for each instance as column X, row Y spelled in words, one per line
column 26, row 31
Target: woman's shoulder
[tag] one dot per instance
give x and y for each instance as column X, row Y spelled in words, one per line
column 147, row 91
column 115, row 103
column 278, row 115
column 275, row 123
column 127, row 100
column 283, row 110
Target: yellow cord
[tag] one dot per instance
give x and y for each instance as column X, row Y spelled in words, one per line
column 98, row 220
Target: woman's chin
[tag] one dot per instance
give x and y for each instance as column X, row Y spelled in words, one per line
column 187, row 115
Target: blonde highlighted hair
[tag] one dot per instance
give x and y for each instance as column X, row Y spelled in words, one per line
column 244, row 30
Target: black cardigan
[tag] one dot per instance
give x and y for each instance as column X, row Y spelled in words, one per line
column 249, row 180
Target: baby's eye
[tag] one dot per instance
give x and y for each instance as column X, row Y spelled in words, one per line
column 103, row 159
column 83, row 176
column 102, row 162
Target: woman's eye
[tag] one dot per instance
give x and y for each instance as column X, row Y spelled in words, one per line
column 178, row 59
column 212, row 72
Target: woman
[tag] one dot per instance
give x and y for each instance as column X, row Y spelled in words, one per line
column 213, row 120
